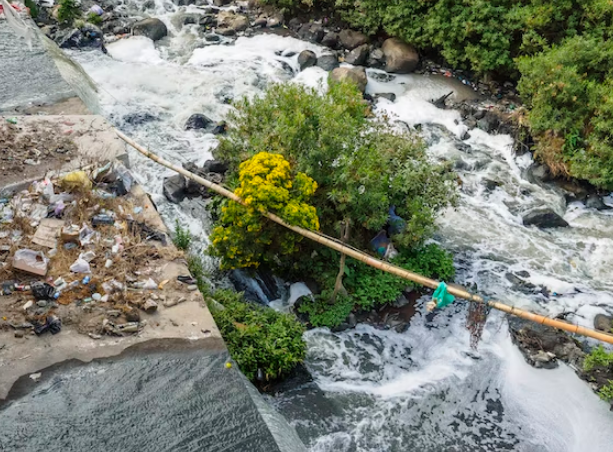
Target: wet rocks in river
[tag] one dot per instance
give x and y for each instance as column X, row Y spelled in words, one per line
column 152, row 28
column 328, row 62
column 215, row 166
column 351, row 39
column 174, row 188
column 594, row 201
column 542, row 346
column 604, row 323
column 306, row 59
column 228, row 20
column 400, row 57
column 311, row 32
column 358, row 55
column 330, row 39
column 356, row 75
column 376, row 59
column 198, row 121
column 389, row 96
column 544, row 218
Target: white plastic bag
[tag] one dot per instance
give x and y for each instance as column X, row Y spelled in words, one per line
column 80, row 266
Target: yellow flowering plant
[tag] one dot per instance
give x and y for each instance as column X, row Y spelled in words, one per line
column 244, row 238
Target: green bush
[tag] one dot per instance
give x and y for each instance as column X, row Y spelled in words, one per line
column 569, row 91
column 68, row 12
column 598, row 357
column 606, row 392
column 366, row 286
column 33, row 7
column 361, row 167
column 182, row 238
column 258, row 337
column 94, row 18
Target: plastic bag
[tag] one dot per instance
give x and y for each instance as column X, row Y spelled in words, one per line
column 80, row 266
column 76, row 180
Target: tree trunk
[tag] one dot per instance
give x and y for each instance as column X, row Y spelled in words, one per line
column 338, row 285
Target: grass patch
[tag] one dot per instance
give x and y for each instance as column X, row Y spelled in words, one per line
column 181, row 238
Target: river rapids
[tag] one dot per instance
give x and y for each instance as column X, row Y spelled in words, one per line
column 375, row 390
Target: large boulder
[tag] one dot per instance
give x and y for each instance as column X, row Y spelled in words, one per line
column 330, row 39
column 311, row 32
column 400, row 57
column 603, row 323
column 230, row 20
column 544, row 218
column 357, row 56
column 351, row 39
column 328, row 62
column 594, row 201
column 306, row 59
column 355, row 75
column 198, row 121
column 152, row 28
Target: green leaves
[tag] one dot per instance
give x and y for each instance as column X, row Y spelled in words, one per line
column 258, row 337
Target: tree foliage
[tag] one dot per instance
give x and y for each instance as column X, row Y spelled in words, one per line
column 68, row 12
column 361, row 166
column 258, row 337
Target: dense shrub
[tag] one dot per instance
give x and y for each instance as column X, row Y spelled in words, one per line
column 243, row 237
column 259, row 337
column 68, row 12
column 360, row 166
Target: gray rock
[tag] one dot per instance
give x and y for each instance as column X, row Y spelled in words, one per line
column 594, row 201
column 152, row 28
column 357, row 56
column 221, row 2
column 351, row 320
column 260, row 22
column 400, row 57
column 540, row 173
column 328, row 62
column 389, row 96
column 211, row 37
column 351, row 39
column 603, row 323
column 489, row 122
column 330, row 39
column 355, row 75
column 376, row 59
column 306, row 59
column 225, row 31
column 311, row 32
column 230, row 20
column 174, row 188
column 208, row 20
column 295, row 24
column 19, row 334
column 198, row 121
column 544, row 218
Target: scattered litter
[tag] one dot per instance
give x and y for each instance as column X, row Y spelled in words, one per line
column 137, row 210
column 53, row 324
column 36, row 376
column 28, row 305
column 42, row 291
column 108, row 263
column 88, row 256
column 80, row 266
column 150, row 306
column 174, row 302
column 186, row 279
column 31, row 262
column 102, row 220
column 12, row 120
column 47, row 232
column 192, row 287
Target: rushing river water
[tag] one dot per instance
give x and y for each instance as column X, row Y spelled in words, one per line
column 378, row 390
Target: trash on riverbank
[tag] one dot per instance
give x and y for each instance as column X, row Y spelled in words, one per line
column 83, row 250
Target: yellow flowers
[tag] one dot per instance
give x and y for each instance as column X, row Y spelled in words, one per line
column 266, row 184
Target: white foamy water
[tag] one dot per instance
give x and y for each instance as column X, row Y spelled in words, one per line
column 379, row 390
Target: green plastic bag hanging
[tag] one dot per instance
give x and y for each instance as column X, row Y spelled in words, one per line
column 440, row 297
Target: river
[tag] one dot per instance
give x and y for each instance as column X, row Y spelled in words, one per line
column 375, row 390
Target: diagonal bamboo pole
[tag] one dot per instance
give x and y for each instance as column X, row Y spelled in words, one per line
column 369, row 260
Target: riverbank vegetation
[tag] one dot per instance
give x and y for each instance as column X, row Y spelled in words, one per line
column 598, row 366
column 323, row 162
column 560, row 53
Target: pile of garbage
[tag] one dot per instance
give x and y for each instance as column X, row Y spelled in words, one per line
column 78, row 250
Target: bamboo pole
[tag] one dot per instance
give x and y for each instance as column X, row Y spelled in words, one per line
column 376, row 263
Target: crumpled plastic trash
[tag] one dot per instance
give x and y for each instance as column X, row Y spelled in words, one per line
column 76, row 180
column 88, row 256
column 80, row 266
column 53, row 324
column 86, row 235
column 42, row 291
column 96, row 9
